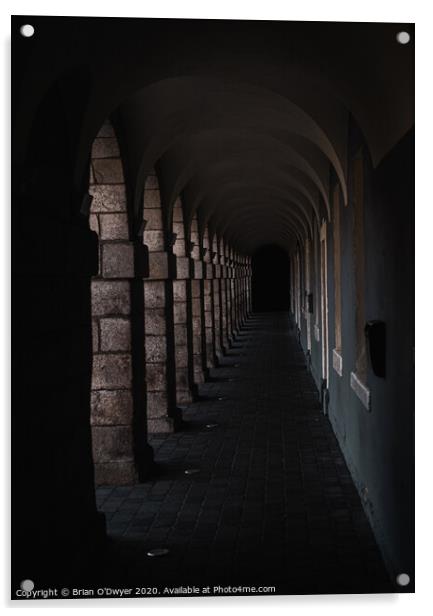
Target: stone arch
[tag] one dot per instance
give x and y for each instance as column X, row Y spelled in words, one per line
column 112, row 381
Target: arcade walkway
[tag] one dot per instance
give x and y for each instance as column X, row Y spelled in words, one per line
column 271, row 501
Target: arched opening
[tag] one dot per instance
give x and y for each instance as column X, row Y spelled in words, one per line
column 270, row 279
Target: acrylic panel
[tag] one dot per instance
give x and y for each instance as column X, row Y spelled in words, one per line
column 213, row 310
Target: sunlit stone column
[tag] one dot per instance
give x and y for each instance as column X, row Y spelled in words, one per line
column 163, row 415
column 180, row 308
column 195, row 305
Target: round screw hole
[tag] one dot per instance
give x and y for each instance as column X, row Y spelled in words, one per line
column 27, row 30
column 403, row 579
column 27, row 585
column 403, row 38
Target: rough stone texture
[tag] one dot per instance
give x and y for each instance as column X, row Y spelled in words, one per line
column 156, row 377
column 111, row 443
column 180, row 334
column 154, row 321
column 198, row 269
column 154, row 240
column 111, row 407
column 273, row 502
column 95, row 336
column 158, row 265
column 156, row 349
column 108, row 198
column 117, row 260
column 160, row 425
column 156, row 405
column 113, row 227
column 119, row 473
column 111, row 371
column 154, row 294
column 107, row 171
column 152, row 200
column 105, row 148
column 153, row 218
column 110, row 297
column 115, row 334
column 182, row 268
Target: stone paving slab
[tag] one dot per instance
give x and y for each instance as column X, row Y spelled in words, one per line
column 272, row 501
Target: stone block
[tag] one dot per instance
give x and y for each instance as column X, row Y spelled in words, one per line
column 151, row 199
column 156, row 404
column 154, row 240
column 105, row 147
column 111, row 443
column 115, row 334
column 156, row 378
column 111, row 407
column 181, row 378
column 111, row 371
column 110, row 297
column 180, row 334
column 108, row 171
column 181, row 357
column 209, row 270
column 179, row 291
column 154, row 294
column 153, row 218
column 198, row 269
column 118, row 260
column 119, row 473
column 182, row 268
column 156, row 349
column 113, row 227
column 179, row 312
column 154, row 321
column 108, row 198
column 161, row 425
column 158, row 265
column 95, row 335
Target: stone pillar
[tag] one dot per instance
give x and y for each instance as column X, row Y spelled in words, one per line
column 162, row 413
column 229, row 294
column 182, row 332
column 194, row 305
column 233, row 296
column 206, row 305
column 115, row 441
column 216, row 301
column 223, row 295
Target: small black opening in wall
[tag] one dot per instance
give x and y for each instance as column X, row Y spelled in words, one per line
column 270, row 279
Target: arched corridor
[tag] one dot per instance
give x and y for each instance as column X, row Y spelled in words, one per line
column 213, row 305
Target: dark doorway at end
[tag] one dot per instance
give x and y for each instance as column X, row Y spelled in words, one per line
column 270, row 279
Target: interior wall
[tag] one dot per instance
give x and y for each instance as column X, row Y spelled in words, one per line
column 377, row 438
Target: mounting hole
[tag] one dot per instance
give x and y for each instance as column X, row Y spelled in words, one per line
column 403, row 38
column 403, row 579
column 27, row 30
column 27, row 585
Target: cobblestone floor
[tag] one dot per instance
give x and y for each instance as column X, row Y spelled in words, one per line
column 272, row 501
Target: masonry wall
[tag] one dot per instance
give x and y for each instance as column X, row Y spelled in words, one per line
column 374, row 426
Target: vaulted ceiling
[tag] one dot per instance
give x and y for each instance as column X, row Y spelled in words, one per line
column 244, row 120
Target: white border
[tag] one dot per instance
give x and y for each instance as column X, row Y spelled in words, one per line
column 315, row 10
